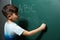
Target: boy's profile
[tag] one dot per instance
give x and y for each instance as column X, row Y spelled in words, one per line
column 11, row 29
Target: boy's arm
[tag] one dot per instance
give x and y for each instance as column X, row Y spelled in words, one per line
column 29, row 33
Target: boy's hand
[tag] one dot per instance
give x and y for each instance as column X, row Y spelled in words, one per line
column 43, row 26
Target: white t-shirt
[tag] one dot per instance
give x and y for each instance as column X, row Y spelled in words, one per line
column 12, row 28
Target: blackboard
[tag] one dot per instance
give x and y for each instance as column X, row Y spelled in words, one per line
column 35, row 12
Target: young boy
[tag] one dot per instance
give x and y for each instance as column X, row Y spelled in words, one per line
column 11, row 29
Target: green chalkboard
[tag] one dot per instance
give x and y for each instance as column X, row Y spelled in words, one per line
column 32, row 13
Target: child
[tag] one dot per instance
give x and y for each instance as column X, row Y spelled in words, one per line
column 11, row 29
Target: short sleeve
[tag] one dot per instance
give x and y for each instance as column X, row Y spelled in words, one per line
column 18, row 30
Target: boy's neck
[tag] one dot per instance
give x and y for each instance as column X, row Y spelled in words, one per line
column 9, row 21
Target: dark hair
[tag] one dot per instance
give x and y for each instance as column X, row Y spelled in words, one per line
column 9, row 9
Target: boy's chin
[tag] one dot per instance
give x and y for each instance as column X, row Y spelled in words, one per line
column 15, row 19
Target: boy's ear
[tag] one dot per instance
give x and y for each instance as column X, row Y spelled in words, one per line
column 9, row 16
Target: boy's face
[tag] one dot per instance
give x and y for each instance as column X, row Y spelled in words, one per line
column 14, row 17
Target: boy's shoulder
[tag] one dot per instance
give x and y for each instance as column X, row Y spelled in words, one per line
column 10, row 24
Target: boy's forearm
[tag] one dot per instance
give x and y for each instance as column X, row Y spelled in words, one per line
column 34, row 31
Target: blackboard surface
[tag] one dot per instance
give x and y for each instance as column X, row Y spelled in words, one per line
column 33, row 13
